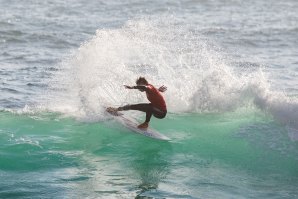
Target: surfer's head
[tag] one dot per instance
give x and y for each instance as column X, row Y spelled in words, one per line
column 141, row 81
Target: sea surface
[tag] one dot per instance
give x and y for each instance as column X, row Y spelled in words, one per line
column 231, row 69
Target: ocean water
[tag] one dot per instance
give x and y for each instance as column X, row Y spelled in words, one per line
column 231, row 69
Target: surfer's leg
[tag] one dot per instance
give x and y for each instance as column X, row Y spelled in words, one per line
column 147, row 108
column 138, row 107
column 124, row 108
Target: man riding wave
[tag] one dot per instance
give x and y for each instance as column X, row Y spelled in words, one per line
column 157, row 106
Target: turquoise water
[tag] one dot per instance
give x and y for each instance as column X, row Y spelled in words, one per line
column 49, row 156
column 231, row 71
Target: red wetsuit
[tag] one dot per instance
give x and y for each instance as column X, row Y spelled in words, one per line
column 157, row 107
column 155, row 97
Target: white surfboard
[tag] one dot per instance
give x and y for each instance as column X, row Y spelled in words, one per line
column 132, row 124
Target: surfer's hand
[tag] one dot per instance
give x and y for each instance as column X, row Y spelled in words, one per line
column 128, row 87
column 162, row 88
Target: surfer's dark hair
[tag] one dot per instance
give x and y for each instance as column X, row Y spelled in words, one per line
column 141, row 80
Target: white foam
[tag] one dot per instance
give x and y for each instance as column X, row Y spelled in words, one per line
column 197, row 77
column 280, row 106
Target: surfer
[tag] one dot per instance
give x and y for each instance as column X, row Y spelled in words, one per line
column 157, row 107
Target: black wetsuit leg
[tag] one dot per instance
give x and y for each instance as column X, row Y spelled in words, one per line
column 148, row 109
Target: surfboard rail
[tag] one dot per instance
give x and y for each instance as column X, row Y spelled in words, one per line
column 132, row 125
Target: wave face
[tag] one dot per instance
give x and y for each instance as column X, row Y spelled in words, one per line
column 210, row 155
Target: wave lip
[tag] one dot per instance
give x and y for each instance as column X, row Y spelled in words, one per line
column 283, row 109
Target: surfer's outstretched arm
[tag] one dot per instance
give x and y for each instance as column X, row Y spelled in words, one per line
column 140, row 87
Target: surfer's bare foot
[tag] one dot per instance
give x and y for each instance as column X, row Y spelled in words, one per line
column 143, row 125
column 112, row 110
